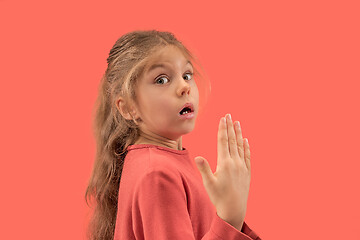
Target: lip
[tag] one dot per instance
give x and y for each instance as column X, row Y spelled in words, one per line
column 187, row 116
column 189, row 105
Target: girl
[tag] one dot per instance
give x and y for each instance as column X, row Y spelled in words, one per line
column 143, row 181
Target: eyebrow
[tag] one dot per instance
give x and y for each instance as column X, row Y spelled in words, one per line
column 158, row 65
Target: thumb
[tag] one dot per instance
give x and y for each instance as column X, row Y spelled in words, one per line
column 204, row 168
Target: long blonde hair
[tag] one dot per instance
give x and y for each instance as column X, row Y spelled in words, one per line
column 113, row 133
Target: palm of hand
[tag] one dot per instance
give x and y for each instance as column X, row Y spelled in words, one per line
column 228, row 187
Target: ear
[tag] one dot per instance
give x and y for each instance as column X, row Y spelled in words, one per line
column 126, row 110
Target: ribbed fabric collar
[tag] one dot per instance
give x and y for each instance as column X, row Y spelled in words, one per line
column 138, row 146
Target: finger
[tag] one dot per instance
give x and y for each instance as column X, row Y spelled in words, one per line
column 247, row 154
column 205, row 170
column 232, row 137
column 222, row 145
column 240, row 140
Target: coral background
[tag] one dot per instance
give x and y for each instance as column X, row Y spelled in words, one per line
column 288, row 70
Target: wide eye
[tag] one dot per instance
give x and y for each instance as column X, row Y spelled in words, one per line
column 160, row 80
column 189, row 74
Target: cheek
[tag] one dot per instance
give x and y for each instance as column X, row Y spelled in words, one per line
column 195, row 88
column 163, row 110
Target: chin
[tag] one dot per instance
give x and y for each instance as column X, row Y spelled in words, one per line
column 182, row 132
column 189, row 129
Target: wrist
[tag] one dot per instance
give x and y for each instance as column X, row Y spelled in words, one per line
column 236, row 223
column 238, row 226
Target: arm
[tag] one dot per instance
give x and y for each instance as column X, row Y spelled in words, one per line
column 160, row 212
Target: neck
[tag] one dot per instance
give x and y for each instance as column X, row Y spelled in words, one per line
column 146, row 138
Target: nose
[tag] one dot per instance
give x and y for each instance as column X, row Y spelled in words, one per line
column 183, row 88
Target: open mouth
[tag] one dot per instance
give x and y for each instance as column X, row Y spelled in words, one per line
column 188, row 108
column 185, row 111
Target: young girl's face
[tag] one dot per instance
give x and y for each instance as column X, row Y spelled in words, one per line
column 165, row 87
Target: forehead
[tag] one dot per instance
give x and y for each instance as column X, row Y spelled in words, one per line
column 165, row 56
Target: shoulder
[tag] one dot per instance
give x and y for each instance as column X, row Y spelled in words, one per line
column 160, row 178
column 161, row 173
column 155, row 168
column 160, row 184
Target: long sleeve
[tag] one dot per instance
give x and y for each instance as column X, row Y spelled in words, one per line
column 160, row 211
column 248, row 231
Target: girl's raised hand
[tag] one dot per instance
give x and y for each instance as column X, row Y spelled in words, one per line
column 228, row 187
